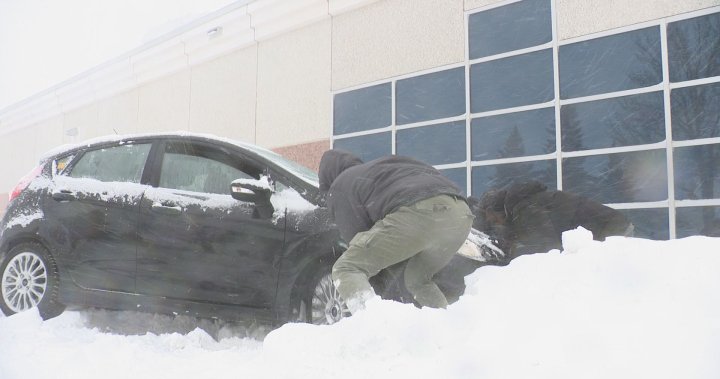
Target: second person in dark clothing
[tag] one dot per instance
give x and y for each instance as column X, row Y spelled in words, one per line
column 390, row 210
column 526, row 218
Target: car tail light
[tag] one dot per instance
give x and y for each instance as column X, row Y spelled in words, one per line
column 25, row 181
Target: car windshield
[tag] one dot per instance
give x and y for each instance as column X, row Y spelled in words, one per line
column 299, row 170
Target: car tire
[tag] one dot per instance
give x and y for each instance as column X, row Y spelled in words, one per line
column 29, row 278
column 322, row 304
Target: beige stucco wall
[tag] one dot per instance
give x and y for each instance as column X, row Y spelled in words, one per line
column 48, row 135
column 472, row 4
column 119, row 114
column 20, row 151
column 164, row 105
column 576, row 18
column 82, row 122
column 293, row 91
column 222, row 96
column 395, row 37
column 18, row 157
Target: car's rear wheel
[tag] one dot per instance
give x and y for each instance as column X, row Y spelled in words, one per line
column 29, row 279
column 323, row 304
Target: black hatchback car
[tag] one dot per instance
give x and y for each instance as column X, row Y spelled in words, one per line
column 173, row 223
column 150, row 222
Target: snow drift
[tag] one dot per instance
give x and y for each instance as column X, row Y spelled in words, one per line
column 623, row 308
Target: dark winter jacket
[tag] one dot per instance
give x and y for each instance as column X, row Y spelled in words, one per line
column 527, row 218
column 360, row 194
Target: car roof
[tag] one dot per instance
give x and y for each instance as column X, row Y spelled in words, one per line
column 270, row 155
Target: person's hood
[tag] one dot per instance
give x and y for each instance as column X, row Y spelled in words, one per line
column 332, row 164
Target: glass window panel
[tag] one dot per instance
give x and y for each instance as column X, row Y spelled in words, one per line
column 511, row 27
column 621, row 121
column 694, row 48
column 514, row 134
column 362, row 109
column 649, row 223
column 435, row 144
column 692, row 221
column 618, row 178
column 115, row 164
column 457, row 176
column 198, row 174
column 697, row 172
column 367, row 147
column 498, row 176
column 696, row 111
column 431, row 96
column 512, row 82
column 613, row 63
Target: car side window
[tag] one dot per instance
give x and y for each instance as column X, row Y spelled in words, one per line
column 199, row 168
column 123, row 163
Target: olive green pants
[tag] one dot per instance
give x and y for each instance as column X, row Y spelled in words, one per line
column 427, row 234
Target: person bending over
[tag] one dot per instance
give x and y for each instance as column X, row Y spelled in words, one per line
column 390, row 210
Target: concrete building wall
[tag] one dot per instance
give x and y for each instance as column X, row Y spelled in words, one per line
column 293, row 89
column 223, row 96
column 119, row 114
column 276, row 91
column 395, row 37
column 164, row 105
column 577, row 18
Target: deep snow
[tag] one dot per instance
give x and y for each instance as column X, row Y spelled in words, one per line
column 623, row 308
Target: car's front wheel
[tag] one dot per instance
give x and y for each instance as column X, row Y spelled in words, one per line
column 29, row 279
column 322, row 305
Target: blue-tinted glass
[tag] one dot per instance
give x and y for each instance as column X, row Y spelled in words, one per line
column 435, row 144
column 697, row 172
column 362, row 109
column 498, row 176
column 366, row 147
column 621, row 121
column 694, row 48
column 512, row 82
column 618, row 178
column 608, row 64
column 431, row 96
column 514, row 134
column 649, row 223
column 694, row 221
column 457, row 176
column 696, row 111
column 511, row 27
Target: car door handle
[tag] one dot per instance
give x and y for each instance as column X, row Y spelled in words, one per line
column 63, row 195
column 166, row 209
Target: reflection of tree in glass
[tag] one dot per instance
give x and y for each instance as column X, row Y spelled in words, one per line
column 514, row 145
column 699, row 176
column 694, row 48
column 694, row 52
column 640, row 119
column 506, row 173
column 575, row 177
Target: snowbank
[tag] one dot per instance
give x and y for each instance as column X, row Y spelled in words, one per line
column 623, row 308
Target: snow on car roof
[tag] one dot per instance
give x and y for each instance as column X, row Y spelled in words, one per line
column 302, row 172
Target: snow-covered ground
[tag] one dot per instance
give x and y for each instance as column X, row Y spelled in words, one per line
column 624, row 308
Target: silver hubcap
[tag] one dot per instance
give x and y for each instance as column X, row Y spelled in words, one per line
column 24, row 282
column 327, row 305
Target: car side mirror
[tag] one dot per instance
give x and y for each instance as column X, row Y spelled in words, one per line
column 251, row 190
column 254, row 191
